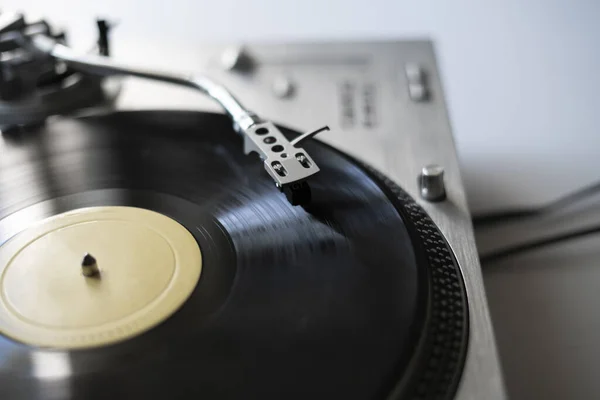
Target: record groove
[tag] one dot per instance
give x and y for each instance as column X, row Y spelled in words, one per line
column 337, row 299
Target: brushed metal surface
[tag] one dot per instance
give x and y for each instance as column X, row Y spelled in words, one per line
column 361, row 91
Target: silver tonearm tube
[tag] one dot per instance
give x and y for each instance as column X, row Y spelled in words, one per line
column 287, row 164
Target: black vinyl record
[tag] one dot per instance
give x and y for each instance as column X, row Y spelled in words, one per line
column 354, row 296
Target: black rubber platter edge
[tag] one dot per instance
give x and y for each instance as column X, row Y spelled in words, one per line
column 435, row 369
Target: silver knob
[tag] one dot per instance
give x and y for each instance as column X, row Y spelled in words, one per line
column 283, row 87
column 236, row 58
column 431, row 183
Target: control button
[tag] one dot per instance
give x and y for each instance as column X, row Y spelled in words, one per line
column 347, row 102
column 417, row 92
column 236, row 59
column 283, row 87
column 417, row 82
column 414, row 73
column 369, row 105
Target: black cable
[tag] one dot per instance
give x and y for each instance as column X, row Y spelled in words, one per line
column 535, row 244
column 564, row 201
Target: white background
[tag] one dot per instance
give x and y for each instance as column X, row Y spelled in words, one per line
column 522, row 78
column 522, row 82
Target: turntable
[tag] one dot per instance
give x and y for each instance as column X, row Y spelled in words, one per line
column 318, row 246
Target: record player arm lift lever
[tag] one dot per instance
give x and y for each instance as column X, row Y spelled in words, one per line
column 288, row 164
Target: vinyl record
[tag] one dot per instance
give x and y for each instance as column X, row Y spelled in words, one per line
column 354, row 296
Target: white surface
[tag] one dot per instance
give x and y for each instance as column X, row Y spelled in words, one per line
column 544, row 305
column 522, row 82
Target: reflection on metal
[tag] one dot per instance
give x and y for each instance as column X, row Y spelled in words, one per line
column 245, row 122
column 51, row 365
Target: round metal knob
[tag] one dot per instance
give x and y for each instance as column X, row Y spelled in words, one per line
column 236, row 59
column 283, row 87
column 431, row 183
